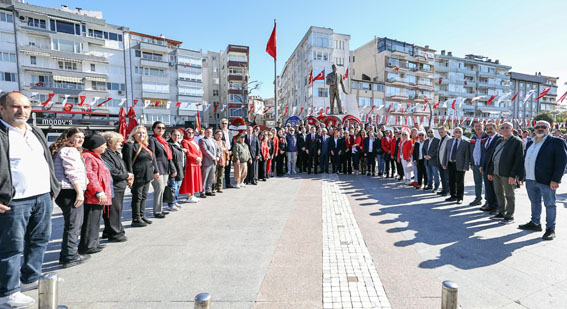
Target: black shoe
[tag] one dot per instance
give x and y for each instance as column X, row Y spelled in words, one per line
column 255, row 183
column 451, row 199
column 549, row 234
column 146, row 220
column 138, row 223
column 459, row 202
column 121, row 238
column 202, row 195
column 493, row 212
column 101, row 246
column 440, row 193
column 530, row 226
column 91, row 251
column 159, row 215
column 497, row 217
column 507, row 220
column 165, row 212
column 475, row 203
column 427, row 188
column 209, row 194
column 485, row 208
column 80, row 259
column 104, row 236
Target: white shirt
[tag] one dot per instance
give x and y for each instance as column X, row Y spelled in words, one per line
column 421, row 150
column 370, row 144
column 30, row 172
column 531, row 158
column 227, row 139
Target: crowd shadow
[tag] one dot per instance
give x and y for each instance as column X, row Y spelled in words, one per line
column 425, row 218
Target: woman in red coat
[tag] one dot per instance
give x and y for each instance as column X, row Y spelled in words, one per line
column 275, row 141
column 405, row 156
column 193, row 182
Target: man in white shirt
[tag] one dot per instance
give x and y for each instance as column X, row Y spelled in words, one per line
column 27, row 188
column 227, row 137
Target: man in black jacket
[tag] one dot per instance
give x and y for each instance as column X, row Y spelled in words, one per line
column 254, row 145
column 487, row 150
column 431, row 156
column 336, row 149
column 371, row 145
column 506, row 170
column 545, row 160
column 28, row 186
column 302, row 157
column 419, row 160
column 312, row 147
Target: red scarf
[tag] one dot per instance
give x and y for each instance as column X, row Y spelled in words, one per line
column 146, row 148
column 162, row 141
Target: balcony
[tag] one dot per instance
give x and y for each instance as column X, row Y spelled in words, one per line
column 398, row 96
column 397, row 82
column 155, row 64
column 154, row 48
column 155, row 95
column 238, row 49
column 58, row 88
column 237, row 64
column 425, row 86
column 235, row 77
column 466, row 71
column 442, row 68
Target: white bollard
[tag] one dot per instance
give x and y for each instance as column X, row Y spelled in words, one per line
column 203, row 301
column 449, row 295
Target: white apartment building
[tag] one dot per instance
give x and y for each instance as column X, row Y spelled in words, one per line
column 8, row 59
column 462, row 79
column 317, row 51
column 522, row 84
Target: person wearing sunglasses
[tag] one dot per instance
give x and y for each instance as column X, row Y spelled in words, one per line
column 164, row 158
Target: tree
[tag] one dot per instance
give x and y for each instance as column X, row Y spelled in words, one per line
column 544, row 115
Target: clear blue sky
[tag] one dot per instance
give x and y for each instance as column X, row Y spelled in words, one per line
column 528, row 35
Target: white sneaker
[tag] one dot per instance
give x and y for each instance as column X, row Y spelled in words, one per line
column 192, row 199
column 24, row 287
column 16, row 300
column 173, row 208
column 237, row 186
column 178, row 205
column 242, row 185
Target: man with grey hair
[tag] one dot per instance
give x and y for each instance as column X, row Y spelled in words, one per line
column 28, row 186
column 324, row 151
column 476, row 163
column 228, row 138
column 211, row 155
column 545, row 160
column 456, row 161
column 506, row 170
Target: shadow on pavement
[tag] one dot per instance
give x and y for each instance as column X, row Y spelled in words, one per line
column 423, row 218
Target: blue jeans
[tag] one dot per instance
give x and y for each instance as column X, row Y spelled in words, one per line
column 535, row 192
column 24, row 229
column 432, row 171
column 477, row 183
column 444, row 173
column 380, row 164
column 176, row 185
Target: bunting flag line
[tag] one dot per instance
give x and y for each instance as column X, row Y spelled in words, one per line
column 346, row 74
column 390, row 108
column 491, row 99
column 147, row 103
column 544, row 92
column 300, row 111
column 95, row 99
column 321, row 112
column 371, row 109
column 178, row 104
column 515, row 96
column 65, row 99
column 504, row 96
column 453, row 104
column 286, row 109
column 310, row 111
column 223, row 107
column 528, row 95
column 82, row 98
column 327, row 110
column 477, row 98
column 157, row 103
column 101, row 104
column 310, row 78
column 49, row 97
column 436, row 105
column 168, row 104
column 215, row 108
column 135, row 102
column 122, row 101
column 562, row 98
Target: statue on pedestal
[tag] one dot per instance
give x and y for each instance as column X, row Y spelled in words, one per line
column 333, row 81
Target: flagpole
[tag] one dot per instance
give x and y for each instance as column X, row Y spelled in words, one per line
column 275, row 84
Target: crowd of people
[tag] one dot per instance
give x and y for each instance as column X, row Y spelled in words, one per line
column 87, row 176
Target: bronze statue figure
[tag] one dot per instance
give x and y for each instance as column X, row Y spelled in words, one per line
column 333, row 81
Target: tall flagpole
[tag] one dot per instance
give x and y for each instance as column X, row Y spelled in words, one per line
column 275, row 83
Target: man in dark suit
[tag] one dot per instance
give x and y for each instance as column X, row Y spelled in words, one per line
column 254, row 145
column 335, row 149
column 228, row 138
column 313, row 147
column 488, row 146
column 476, row 150
column 347, row 143
column 302, row 157
column 419, row 160
column 443, row 172
column 457, row 162
column 370, row 149
column 506, row 169
column 545, row 160
column 399, row 166
column 431, row 151
column 324, row 151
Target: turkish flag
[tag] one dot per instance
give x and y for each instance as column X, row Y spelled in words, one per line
column 436, row 104
column 82, row 100
column 132, row 123
column 491, row 99
column 346, row 74
column 310, row 78
column 545, row 91
column 271, row 47
column 562, row 98
column 453, row 104
column 515, row 96
column 135, row 102
column 157, row 103
column 102, row 103
column 320, row 76
column 122, row 128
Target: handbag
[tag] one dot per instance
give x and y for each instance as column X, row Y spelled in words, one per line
column 168, row 194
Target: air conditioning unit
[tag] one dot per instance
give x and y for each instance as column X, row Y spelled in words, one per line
column 120, row 91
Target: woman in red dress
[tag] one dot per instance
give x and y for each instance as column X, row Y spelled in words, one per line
column 193, row 181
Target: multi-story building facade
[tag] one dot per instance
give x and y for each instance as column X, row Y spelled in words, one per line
column 367, row 94
column 317, row 51
column 406, row 71
column 227, row 82
column 462, row 79
column 8, row 58
column 524, row 83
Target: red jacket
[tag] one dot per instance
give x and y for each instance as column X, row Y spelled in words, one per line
column 99, row 178
column 387, row 145
column 193, row 152
column 407, row 149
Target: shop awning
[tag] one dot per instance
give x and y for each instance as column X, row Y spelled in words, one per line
column 68, row 79
column 95, row 78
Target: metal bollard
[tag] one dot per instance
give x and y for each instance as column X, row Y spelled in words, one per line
column 449, row 295
column 203, row 301
column 48, row 291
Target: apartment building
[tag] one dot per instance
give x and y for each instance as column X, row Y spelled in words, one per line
column 462, row 79
column 317, row 51
column 405, row 70
column 524, row 107
column 368, row 96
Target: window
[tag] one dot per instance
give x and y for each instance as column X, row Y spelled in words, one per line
column 36, row 23
column 393, row 62
column 215, row 69
column 7, row 77
column 154, row 87
column 67, row 65
column 33, row 60
column 235, row 112
column 6, row 17
column 137, row 53
column 364, row 86
column 190, row 76
column 321, row 92
column 93, row 67
column 378, row 102
column 339, row 61
column 412, row 65
column 411, row 79
column 236, row 86
column 320, row 39
column 339, row 44
column 95, row 34
column 235, row 71
column 240, row 58
column 65, row 27
column 8, row 57
column 66, row 46
column 115, row 86
column 354, row 84
column 191, row 91
column 235, row 98
column 215, row 92
column 364, row 101
column 98, row 85
column 152, row 56
column 320, row 55
column 393, row 91
column 6, row 37
column 377, row 87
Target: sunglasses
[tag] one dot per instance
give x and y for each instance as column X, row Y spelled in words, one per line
column 160, row 128
column 540, row 127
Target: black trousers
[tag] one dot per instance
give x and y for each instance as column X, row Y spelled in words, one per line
column 227, row 172
column 313, row 162
column 347, row 162
column 421, row 173
column 390, row 165
column 489, row 193
column 456, row 181
column 280, row 171
column 73, row 218
column 400, row 168
column 91, row 225
column 273, row 168
column 324, row 162
column 336, row 161
column 252, row 175
column 261, row 169
column 302, row 161
column 371, row 160
column 139, row 196
column 113, row 216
